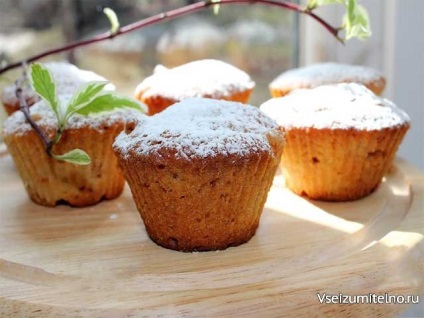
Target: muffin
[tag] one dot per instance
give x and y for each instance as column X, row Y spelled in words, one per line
column 49, row 181
column 204, row 78
column 340, row 140
column 200, row 172
column 324, row 74
column 68, row 79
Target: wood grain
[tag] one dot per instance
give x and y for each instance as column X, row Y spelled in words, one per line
column 99, row 262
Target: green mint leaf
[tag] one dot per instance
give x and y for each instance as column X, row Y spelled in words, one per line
column 84, row 96
column 113, row 19
column 356, row 22
column 42, row 83
column 76, row 156
column 109, row 102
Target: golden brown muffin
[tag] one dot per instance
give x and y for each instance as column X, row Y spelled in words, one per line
column 49, row 181
column 68, row 79
column 340, row 140
column 327, row 73
column 204, row 78
column 200, row 172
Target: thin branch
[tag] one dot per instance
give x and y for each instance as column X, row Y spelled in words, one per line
column 172, row 14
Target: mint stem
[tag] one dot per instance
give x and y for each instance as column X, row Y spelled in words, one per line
column 172, row 14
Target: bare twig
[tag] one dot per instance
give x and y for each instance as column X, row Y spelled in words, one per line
column 171, row 15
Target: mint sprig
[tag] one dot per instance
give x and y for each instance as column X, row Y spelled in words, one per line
column 88, row 100
column 355, row 21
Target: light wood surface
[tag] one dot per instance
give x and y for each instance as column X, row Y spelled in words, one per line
column 99, row 262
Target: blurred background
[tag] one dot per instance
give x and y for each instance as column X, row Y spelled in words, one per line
column 258, row 39
column 263, row 41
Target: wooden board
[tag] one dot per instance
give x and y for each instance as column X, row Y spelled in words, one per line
column 98, row 261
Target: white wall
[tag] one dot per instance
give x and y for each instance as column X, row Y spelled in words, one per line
column 408, row 74
column 396, row 47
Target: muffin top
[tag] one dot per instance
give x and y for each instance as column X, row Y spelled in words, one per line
column 341, row 106
column 325, row 73
column 201, row 128
column 45, row 118
column 203, row 78
column 68, row 79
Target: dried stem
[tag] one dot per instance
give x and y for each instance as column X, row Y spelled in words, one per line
column 171, row 15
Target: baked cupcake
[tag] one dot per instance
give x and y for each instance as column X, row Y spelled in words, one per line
column 204, row 78
column 324, row 74
column 49, row 181
column 200, row 172
column 340, row 140
column 68, row 79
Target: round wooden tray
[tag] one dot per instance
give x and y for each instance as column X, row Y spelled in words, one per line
column 98, row 261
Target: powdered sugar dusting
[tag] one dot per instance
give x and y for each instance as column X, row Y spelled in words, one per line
column 199, row 127
column 341, row 106
column 68, row 79
column 325, row 73
column 44, row 117
column 203, row 78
